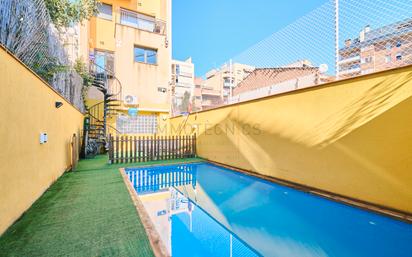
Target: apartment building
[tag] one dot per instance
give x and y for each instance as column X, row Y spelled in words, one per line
column 207, row 96
column 197, row 93
column 376, row 50
column 183, row 85
column 132, row 40
column 226, row 78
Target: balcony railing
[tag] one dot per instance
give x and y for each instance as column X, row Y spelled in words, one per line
column 210, row 92
column 351, row 70
column 142, row 22
column 355, row 58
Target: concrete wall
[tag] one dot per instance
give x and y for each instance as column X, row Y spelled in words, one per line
column 27, row 108
column 352, row 138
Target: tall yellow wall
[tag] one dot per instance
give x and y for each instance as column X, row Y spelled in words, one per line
column 352, row 138
column 27, row 108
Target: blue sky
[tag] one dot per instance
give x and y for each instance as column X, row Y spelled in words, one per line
column 212, row 31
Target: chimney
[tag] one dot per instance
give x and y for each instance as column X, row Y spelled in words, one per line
column 348, row 42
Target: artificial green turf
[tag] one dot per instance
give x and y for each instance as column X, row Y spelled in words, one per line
column 85, row 213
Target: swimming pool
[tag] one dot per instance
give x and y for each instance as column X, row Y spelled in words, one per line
column 206, row 210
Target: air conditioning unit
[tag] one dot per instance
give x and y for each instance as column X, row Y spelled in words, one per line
column 130, row 100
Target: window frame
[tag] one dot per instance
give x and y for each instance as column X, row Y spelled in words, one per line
column 104, row 15
column 388, row 46
column 388, row 58
column 145, row 54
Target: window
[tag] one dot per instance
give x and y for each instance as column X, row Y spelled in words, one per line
column 145, row 55
column 105, row 11
column 367, row 59
column 388, row 46
column 140, row 124
column 399, row 43
column 104, row 61
column 228, row 80
column 388, row 58
column 399, row 56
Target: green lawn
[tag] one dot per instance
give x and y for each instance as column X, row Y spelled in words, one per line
column 85, row 213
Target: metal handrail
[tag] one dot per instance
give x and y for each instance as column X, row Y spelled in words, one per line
column 111, row 73
column 131, row 18
column 94, row 110
column 97, row 119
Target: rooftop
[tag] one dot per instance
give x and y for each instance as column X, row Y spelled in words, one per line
column 263, row 77
column 398, row 29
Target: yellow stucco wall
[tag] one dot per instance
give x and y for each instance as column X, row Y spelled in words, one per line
column 27, row 108
column 352, row 137
column 104, row 37
column 140, row 79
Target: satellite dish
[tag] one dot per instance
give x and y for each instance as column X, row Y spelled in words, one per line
column 323, row 68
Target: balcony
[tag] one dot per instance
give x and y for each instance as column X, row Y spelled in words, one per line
column 142, row 22
column 207, row 103
column 228, row 84
column 227, row 75
column 350, row 70
column 210, row 92
column 351, row 59
column 211, row 102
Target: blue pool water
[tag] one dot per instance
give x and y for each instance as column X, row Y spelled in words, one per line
column 206, row 210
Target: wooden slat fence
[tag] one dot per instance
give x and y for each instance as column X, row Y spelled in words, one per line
column 128, row 149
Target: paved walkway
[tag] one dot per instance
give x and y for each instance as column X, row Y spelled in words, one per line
column 85, row 213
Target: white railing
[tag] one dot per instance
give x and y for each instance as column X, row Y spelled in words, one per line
column 142, row 22
column 350, row 71
column 350, row 59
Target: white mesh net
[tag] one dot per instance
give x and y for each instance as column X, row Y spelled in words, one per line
column 26, row 30
column 339, row 39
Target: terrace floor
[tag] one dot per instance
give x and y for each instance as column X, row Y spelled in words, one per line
column 84, row 213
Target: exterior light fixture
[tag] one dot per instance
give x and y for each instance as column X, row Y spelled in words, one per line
column 58, row 105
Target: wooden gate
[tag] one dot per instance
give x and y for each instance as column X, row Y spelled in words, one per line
column 128, row 149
